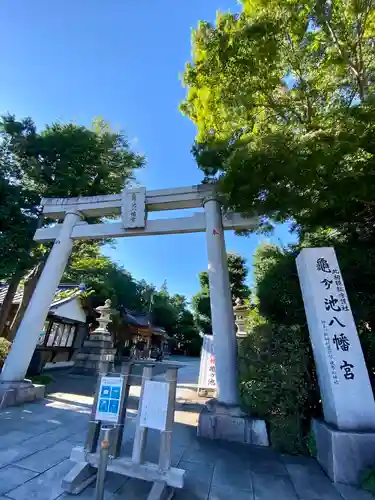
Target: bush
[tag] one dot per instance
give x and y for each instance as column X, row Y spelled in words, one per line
column 311, row 444
column 4, row 349
column 41, row 379
column 278, row 383
column 367, row 480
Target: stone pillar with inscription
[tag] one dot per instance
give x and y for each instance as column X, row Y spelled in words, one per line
column 346, row 438
column 97, row 353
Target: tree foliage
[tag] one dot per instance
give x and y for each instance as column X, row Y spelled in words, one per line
column 282, row 95
column 18, row 221
column 201, row 301
column 58, row 161
column 4, row 349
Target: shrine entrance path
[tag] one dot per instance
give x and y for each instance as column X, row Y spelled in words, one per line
column 36, row 441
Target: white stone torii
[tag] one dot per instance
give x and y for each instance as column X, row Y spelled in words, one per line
column 134, row 205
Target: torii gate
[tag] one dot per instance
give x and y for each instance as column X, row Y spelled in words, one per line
column 133, row 205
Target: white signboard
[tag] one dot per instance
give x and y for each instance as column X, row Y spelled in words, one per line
column 207, row 371
column 133, row 211
column 345, row 388
column 108, row 405
column 154, row 405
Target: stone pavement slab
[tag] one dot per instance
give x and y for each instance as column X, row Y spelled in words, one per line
column 227, row 493
column 36, row 440
column 45, row 486
column 310, row 484
column 198, row 479
column 270, row 487
column 13, row 437
column 232, row 474
column 12, row 476
column 32, row 445
column 350, row 493
column 45, row 459
column 133, row 489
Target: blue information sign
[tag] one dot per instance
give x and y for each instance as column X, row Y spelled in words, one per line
column 108, row 406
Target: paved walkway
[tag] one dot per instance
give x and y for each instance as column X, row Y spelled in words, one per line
column 36, row 440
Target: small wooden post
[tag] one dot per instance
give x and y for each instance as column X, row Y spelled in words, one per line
column 166, row 436
column 140, row 439
column 116, row 442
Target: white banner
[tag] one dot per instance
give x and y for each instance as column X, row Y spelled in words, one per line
column 133, row 210
column 207, row 371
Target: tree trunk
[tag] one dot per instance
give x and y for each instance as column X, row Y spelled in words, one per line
column 8, row 301
column 28, row 290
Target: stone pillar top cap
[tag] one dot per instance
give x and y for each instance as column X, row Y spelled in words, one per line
column 106, row 307
column 239, row 304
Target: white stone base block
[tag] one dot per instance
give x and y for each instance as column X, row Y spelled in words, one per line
column 231, row 425
column 17, row 393
column 344, row 454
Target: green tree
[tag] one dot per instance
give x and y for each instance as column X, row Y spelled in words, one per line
column 105, row 278
column 282, row 95
column 186, row 333
column 163, row 311
column 18, row 221
column 61, row 160
column 201, row 305
column 201, row 301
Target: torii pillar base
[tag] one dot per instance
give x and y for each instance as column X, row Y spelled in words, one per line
column 17, row 393
column 229, row 423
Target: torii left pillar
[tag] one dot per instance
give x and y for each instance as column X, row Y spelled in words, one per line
column 13, row 389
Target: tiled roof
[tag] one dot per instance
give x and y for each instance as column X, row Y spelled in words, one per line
column 58, row 295
column 141, row 320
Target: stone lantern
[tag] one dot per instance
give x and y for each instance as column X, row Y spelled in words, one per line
column 101, row 333
column 97, row 353
column 240, row 314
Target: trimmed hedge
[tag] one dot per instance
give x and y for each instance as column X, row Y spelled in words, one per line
column 4, row 349
column 278, row 383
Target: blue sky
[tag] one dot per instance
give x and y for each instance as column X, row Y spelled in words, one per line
column 69, row 60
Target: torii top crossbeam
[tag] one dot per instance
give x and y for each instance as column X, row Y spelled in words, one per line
column 144, row 201
column 156, row 200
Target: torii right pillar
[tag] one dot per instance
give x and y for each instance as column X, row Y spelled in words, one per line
column 222, row 418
